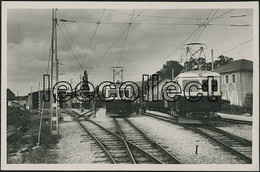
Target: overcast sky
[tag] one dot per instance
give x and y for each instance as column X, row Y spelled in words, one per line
column 152, row 37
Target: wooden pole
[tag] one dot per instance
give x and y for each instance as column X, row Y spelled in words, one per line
column 31, row 99
column 212, row 62
column 172, row 74
column 52, row 47
column 57, row 71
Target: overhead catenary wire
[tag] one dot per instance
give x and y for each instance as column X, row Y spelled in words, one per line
column 69, row 46
column 110, row 47
column 205, row 24
column 125, row 38
column 194, row 33
column 159, row 24
column 115, row 40
column 79, row 55
column 176, row 17
column 152, row 23
column 93, row 36
column 201, row 28
column 179, row 45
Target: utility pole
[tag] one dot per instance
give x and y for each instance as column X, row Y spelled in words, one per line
column 54, row 118
column 71, row 100
column 186, row 66
column 80, row 77
column 39, row 97
column 57, row 72
column 212, row 63
column 31, row 99
column 172, row 74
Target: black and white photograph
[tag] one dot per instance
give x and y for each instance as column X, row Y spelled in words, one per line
column 130, row 86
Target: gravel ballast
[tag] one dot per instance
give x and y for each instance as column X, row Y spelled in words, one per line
column 241, row 130
column 182, row 143
column 72, row 147
column 75, row 148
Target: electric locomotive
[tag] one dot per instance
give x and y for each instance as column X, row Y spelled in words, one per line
column 117, row 105
column 199, row 97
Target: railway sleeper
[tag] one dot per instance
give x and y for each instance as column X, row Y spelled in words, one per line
column 122, row 160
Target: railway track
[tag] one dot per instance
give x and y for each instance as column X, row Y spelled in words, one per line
column 240, row 147
column 116, row 147
column 163, row 118
column 174, row 120
column 236, row 121
column 131, row 133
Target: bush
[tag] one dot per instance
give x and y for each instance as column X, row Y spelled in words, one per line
column 28, row 139
column 249, row 102
column 234, row 109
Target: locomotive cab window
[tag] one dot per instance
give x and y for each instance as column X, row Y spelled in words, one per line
column 214, row 85
column 115, row 91
column 125, row 92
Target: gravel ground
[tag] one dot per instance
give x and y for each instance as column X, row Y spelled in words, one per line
column 73, row 147
column 182, row 143
column 241, row 130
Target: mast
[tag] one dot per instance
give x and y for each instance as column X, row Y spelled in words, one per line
column 54, row 56
column 51, row 98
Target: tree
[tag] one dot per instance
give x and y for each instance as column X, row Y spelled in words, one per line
column 166, row 70
column 201, row 63
column 222, row 60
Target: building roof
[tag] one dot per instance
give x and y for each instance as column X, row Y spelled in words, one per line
column 238, row 65
column 197, row 73
column 10, row 95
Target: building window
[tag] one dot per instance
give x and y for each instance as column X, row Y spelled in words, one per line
column 233, row 78
column 226, row 79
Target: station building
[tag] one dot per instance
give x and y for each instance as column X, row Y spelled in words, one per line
column 236, row 81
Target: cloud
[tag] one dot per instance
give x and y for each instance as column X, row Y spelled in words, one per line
column 149, row 40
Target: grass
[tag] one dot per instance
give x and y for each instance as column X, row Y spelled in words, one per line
column 24, row 142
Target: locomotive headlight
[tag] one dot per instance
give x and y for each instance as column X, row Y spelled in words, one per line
column 200, row 74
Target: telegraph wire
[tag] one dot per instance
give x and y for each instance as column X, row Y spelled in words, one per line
column 235, row 47
column 222, row 14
